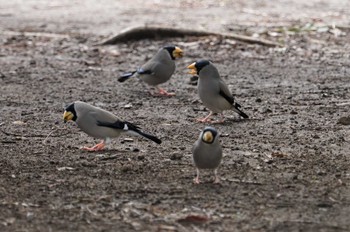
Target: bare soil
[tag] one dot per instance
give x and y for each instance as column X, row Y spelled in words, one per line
column 286, row 168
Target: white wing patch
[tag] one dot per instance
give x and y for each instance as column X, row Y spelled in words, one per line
column 125, row 127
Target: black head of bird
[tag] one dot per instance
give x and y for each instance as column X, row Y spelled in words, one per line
column 70, row 113
column 209, row 135
column 174, row 51
column 197, row 66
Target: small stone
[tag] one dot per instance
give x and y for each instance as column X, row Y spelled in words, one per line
column 126, row 168
column 128, row 106
column 140, row 157
column 19, row 123
column 65, row 168
column 316, row 136
column 176, row 156
column 193, row 80
column 114, row 52
column 344, row 121
column 266, row 111
column 324, row 205
column 30, row 216
column 258, row 100
column 293, row 112
column 128, row 140
column 321, row 173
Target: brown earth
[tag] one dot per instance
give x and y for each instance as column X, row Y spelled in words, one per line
column 284, row 169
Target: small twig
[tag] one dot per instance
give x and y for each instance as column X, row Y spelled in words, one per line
column 343, row 27
column 6, row 142
column 110, row 157
column 154, row 32
column 313, row 222
column 10, row 134
column 36, row 136
column 35, row 34
column 90, row 211
column 243, row 182
column 56, row 129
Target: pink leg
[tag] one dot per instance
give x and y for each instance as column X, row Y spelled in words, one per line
column 217, row 178
column 222, row 119
column 206, row 119
column 196, row 180
column 97, row 147
column 165, row 93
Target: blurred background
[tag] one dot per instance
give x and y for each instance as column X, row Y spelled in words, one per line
column 110, row 16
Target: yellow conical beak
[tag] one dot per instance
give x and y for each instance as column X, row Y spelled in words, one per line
column 67, row 116
column 208, row 137
column 177, row 53
column 193, row 70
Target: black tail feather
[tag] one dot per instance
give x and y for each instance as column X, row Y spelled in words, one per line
column 126, row 76
column 240, row 112
column 136, row 129
column 150, row 137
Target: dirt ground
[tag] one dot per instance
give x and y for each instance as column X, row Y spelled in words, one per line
column 286, row 168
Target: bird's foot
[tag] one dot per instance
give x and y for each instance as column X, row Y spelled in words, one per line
column 97, row 147
column 196, row 180
column 206, row 119
column 165, row 93
column 222, row 119
column 219, row 121
column 216, row 180
column 203, row 120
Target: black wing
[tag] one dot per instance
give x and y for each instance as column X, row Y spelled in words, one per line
column 126, row 76
column 142, row 71
column 236, row 106
column 127, row 126
column 119, row 125
column 230, row 99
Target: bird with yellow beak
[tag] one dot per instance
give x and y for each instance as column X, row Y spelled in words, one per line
column 158, row 69
column 213, row 91
column 207, row 152
column 101, row 124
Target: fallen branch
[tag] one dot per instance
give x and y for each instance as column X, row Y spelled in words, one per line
column 139, row 33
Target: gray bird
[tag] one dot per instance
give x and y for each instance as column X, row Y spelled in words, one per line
column 207, row 152
column 101, row 124
column 213, row 91
column 157, row 70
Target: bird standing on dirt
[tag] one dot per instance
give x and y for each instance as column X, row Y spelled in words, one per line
column 213, row 91
column 157, row 70
column 207, row 152
column 100, row 123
